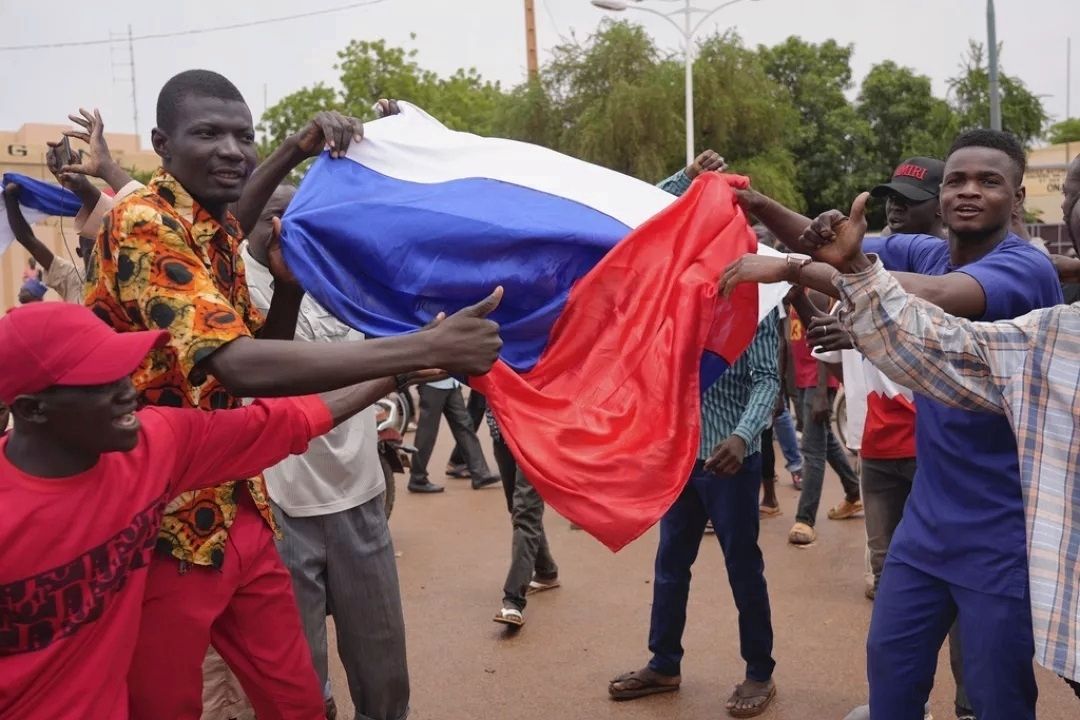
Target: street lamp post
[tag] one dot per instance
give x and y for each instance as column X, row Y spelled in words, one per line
column 688, row 30
column 995, row 89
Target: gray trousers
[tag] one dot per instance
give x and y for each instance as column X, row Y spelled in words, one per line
column 819, row 445
column 529, row 550
column 886, row 485
column 344, row 563
column 434, row 403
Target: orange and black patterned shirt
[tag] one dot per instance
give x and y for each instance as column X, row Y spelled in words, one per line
column 162, row 262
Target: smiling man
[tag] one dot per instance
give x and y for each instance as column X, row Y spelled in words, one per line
column 168, row 258
column 959, row 553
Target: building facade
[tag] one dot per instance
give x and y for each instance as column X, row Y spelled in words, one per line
column 23, row 151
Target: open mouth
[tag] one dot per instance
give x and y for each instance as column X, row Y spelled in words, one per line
column 127, row 421
column 228, row 177
column 967, row 211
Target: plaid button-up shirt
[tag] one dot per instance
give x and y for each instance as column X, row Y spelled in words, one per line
column 1027, row 369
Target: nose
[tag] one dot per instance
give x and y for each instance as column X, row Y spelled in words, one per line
column 229, row 147
column 970, row 189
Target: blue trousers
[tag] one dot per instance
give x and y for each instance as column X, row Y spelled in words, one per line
column 912, row 615
column 731, row 502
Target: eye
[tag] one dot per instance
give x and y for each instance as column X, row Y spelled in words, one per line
column 204, row 133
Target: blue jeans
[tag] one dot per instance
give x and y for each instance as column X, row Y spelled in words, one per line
column 784, row 431
column 731, row 502
column 912, row 615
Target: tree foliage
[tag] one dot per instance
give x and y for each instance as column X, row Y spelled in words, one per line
column 784, row 115
column 1064, row 132
column 1022, row 112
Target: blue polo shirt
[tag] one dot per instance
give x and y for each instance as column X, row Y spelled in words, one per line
column 964, row 519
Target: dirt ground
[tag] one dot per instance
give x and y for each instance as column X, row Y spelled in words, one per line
column 454, row 550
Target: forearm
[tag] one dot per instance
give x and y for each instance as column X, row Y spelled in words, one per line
column 918, row 345
column 759, row 408
column 1068, row 268
column 270, row 173
column 787, row 225
column 807, row 310
column 115, row 176
column 822, row 378
column 677, row 184
column 283, row 313
column 345, row 403
column 274, row 368
column 24, row 235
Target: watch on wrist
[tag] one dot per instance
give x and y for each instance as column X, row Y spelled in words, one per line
column 795, row 263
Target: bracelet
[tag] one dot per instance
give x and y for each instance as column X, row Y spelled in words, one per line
column 795, row 264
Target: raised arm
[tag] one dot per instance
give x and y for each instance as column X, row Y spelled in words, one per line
column 326, row 129
column 24, row 234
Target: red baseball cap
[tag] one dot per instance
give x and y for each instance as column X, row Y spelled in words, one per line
column 55, row 343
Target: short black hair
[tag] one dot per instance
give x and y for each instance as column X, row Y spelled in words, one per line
column 1001, row 140
column 204, row 83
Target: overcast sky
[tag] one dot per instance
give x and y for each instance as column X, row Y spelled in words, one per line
column 273, row 60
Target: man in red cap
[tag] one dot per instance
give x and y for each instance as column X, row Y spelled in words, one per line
column 84, row 480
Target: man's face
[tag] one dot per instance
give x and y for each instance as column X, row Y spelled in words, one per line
column 1070, row 204
column 979, row 191
column 908, row 217
column 93, row 419
column 211, row 151
column 259, row 239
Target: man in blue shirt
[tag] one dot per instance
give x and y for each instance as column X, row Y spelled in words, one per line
column 724, row 488
column 959, row 552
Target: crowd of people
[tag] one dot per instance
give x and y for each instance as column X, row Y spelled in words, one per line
column 186, row 593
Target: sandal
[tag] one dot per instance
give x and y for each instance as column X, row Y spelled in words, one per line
column 796, row 479
column 510, row 616
column 639, row 683
column 764, row 698
column 768, row 511
column 539, row 584
column 801, row 534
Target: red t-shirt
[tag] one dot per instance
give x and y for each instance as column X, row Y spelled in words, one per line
column 806, row 366
column 74, row 551
column 889, row 432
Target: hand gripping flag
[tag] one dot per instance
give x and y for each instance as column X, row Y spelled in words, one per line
column 37, row 200
column 610, row 305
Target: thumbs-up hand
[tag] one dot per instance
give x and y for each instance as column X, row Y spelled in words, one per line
column 467, row 342
column 836, row 238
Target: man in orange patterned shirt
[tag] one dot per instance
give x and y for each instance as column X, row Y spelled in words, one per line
column 168, row 258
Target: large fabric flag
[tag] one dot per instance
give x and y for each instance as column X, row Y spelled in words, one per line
column 37, row 200
column 610, row 315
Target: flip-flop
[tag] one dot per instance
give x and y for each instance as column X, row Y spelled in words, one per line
column 510, row 616
column 537, row 585
column 640, row 687
column 767, row 512
column 768, row 696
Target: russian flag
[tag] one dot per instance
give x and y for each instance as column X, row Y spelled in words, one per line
column 37, row 200
column 610, row 318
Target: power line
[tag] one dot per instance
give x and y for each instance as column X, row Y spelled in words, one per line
column 198, row 31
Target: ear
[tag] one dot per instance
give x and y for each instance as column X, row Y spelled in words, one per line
column 160, row 141
column 29, row 409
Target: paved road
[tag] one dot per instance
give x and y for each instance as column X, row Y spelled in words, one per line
column 454, row 550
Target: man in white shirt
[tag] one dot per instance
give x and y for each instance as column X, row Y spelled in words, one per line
column 337, row 544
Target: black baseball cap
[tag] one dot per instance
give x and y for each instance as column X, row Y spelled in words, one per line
column 918, row 179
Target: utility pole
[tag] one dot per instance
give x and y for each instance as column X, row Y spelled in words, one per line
column 530, row 39
column 1068, row 78
column 130, row 65
column 995, row 90
column 134, row 95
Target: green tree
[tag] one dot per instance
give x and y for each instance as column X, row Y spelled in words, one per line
column 831, row 143
column 1022, row 112
column 369, row 70
column 1064, row 132
column 905, row 118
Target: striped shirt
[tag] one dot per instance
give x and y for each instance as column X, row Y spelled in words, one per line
column 741, row 402
column 1027, row 369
